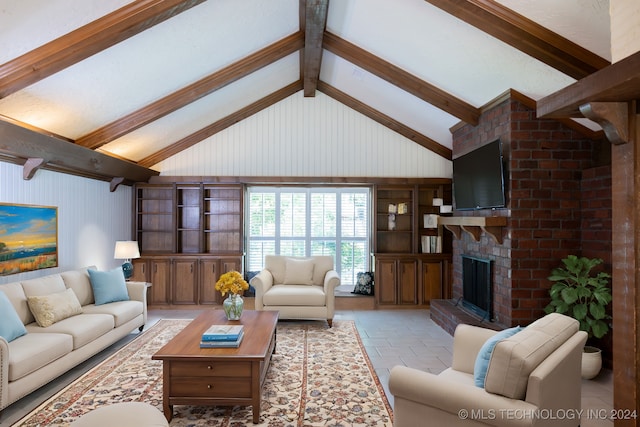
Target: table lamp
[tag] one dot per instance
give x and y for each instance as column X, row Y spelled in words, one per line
column 127, row 250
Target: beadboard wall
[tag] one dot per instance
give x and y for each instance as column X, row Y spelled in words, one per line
column 90, row 217
column 307, row 137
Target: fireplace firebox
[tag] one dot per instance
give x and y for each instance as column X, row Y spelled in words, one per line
column 476, row 286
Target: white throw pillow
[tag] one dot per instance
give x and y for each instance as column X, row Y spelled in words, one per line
column 298, row 272
column 49, row 309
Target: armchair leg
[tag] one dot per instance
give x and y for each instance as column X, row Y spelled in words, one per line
column 330, row 322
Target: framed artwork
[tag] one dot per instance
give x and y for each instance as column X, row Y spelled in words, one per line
column 28, row 238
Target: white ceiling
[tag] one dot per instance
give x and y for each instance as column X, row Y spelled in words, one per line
column 411, row 34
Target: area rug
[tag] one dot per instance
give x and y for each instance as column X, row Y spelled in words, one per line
column 319, row 376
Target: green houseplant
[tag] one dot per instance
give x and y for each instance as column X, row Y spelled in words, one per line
column 584, row 295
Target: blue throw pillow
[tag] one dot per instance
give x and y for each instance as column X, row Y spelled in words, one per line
column 11, row 326
column 484, row 355
column 108, row 286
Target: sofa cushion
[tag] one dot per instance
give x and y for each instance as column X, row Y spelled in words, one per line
column 122, row 311
column 295, row 295
column 298, row 272
column 26, row 353
column 364, row 283
column 78, row 280
column 51, row 308
column 43, row 285
column 11, row 327
column 16, row 295
column 83, row 328
column 514, row 358
column 108, row 286
column 484, row 355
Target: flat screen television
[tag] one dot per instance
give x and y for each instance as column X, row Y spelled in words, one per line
column 478, row 178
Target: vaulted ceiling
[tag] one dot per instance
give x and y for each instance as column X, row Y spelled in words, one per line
column 111, row 88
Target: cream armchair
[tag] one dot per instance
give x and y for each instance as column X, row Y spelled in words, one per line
column 297, row 287
column 533, row 379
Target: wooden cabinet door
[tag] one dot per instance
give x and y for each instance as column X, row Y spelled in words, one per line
column 407, row 281
column 431, row 281
column 160, row 271
column 209, row 273
column 185, row 290
column 386, row 285
column 140, row 271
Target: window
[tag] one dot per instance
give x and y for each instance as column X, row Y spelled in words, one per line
column 310, row 221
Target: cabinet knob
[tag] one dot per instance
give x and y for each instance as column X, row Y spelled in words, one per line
column 209, row 367
column 209, row 386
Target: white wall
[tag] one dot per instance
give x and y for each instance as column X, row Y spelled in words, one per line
column 307, row 137
column 90, row 217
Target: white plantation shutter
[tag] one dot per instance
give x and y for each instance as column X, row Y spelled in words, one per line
column 310, row 221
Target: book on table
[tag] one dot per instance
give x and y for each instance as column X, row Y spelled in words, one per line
column 222, row 333
column 223, row 343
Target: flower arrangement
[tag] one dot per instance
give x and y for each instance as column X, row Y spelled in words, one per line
column 231, row 282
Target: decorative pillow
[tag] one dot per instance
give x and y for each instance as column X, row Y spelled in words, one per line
column 108, row 286
column 364, row 284
column 484, row 355
column 11, row 326
column 52, row 308
column 298, row 272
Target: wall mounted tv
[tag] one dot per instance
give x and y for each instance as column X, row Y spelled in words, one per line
column 478, row 178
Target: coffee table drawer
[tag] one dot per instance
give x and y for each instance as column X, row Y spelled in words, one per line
column 206, row 387
column 210, row 369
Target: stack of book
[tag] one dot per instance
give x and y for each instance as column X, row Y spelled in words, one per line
column 218, row 336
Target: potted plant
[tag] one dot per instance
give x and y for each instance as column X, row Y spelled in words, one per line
column 584, row 295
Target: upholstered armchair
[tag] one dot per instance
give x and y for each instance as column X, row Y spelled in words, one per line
column 297, row 287
column 532, row 378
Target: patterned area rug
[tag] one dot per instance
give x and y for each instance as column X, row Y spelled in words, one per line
column 319, row 376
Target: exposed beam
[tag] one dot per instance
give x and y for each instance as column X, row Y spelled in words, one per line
column 86, row 41
column 525, row 35
column 193, row 92
column 405, row 81
column 619, row 82
column 221, row 124
column 385, row 120
column 36, row 150
column 316, row 21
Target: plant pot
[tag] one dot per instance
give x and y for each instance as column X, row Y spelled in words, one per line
column 591, row 362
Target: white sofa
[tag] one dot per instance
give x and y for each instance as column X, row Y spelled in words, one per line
column 297, row 287
column 43, row 353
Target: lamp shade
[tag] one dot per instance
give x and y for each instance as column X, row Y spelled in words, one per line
column 126, row 249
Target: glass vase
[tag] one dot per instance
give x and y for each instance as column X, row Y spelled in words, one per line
column 233, row 306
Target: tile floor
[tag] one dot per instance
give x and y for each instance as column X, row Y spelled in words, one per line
column 391, row 337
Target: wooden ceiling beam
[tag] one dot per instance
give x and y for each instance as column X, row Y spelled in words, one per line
column 385, row 120
column 193, row 92
column 86, row 41
column 525, row 35
column 402, row 79
column 35, row 150
column 221, row 124
column 315, row 23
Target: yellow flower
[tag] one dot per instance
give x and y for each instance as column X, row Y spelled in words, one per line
column 231, row 282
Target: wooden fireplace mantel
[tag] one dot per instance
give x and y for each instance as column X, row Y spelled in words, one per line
column 475, row 225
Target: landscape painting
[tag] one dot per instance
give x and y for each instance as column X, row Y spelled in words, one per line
column 28, row 238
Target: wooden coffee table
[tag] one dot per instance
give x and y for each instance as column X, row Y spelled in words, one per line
column 218, row 376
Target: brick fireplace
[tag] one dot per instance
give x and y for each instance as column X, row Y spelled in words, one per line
column 558, row 185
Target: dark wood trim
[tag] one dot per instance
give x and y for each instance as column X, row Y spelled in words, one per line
column 193, row 92
column 221, row 125
column 618, row 82
column 525, row 35
column 298, row 180
column 88, row 40
column 18, row 145
column 316, row 21
column 385, row 120
column 402, row 79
